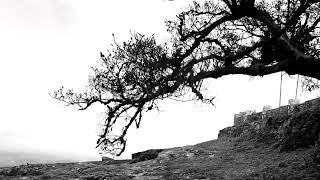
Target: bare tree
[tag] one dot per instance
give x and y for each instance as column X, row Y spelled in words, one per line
column 210, row 40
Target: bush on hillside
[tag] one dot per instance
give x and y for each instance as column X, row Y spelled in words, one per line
column 300, row 130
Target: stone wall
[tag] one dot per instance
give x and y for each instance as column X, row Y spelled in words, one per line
column 251, row 116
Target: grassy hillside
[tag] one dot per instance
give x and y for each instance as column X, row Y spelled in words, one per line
column 225, row 158
column 279, row 149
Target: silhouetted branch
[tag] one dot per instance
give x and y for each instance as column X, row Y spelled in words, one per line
column 212, row 40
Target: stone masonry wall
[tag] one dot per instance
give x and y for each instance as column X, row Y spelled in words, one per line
column 251, row 116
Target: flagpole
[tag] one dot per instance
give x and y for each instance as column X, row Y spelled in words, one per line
column 297, row 87
column 280, row 88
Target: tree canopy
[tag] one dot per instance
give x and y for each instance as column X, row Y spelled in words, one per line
column 209, row 40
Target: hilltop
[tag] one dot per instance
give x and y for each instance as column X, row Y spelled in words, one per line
column 281, row 146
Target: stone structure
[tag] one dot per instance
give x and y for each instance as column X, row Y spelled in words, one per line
column 266, row 108
column 243, row 116
column 293, row 101
column 106, row 159
column 293, row 107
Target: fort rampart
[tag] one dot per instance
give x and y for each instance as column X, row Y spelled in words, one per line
column 252, row 116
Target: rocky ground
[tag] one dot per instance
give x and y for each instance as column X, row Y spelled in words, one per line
column 283, row 148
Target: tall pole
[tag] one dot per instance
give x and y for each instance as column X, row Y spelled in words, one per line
column 318, row 87
column 297, row 87
column 280, row 88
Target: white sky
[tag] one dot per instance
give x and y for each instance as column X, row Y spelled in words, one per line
column 48, row 43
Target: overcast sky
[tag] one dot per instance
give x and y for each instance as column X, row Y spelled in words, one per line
column 45, row 44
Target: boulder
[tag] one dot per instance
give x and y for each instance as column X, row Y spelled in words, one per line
column 106, row 159
column 145, row 155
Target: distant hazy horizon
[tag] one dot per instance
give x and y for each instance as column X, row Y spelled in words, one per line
column 15, row 158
